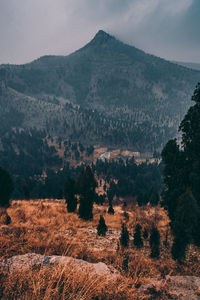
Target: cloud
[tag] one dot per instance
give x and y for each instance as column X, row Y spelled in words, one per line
column 32, row 28
column 175, row 7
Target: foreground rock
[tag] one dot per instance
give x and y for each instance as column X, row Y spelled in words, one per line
column 31, row 260
column 173, row 287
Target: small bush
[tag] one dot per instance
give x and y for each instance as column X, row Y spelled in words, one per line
column 138, row 242
column 124, row 238
column 155, row 243
column 111, row 210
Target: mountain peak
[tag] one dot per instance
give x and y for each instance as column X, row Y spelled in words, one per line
column 101, row 37
column 102, row 33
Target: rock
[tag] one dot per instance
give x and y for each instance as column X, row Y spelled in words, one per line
column 32, row 260
column 173, row 287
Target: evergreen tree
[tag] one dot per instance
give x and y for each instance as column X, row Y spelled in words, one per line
column 179, row 248
column 124, row 238
column 142, row 199
column 111, row 210
column 125, row 263
column 138, row 242
column 8, row 220
column 182, row 181
column 102, row 228
column 6, row 187
column 185, row 224
column 190, row 128
column 70, row 194
column 100, row 199
column 110, row 195
column 155, row 242
column 145, row 234
column 86, row 186
column 174, row 176
column 25, row 189
column 154, row 198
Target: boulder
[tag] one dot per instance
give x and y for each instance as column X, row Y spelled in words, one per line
column 173, row 287
column 31, row 260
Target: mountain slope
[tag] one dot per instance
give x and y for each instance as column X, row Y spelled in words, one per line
column 107, row 92
column 194, row 66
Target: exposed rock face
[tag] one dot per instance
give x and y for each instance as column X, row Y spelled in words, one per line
column 173, row 287
column 30, row 260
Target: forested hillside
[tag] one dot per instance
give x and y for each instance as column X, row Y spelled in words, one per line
column 106, row 93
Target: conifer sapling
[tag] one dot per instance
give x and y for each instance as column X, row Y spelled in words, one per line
column 138, row 242
column 102, row 228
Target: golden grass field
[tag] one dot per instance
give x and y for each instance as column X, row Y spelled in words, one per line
column 45, row 227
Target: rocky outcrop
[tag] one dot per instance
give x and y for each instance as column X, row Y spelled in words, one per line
column 173, row 287
column 31, row 260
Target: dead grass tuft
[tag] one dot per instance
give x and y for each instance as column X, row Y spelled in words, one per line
column 63, row 283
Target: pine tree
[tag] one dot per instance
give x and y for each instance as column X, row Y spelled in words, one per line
column 111, row 210
column 125, row 263
column 138, row 242
column 102, row 228
column 155, row 242
column 179, row 248
column 182, row 181
column 190, row 128
column 110, row 195
column 124, row 238
column 154, row 198
column 174, row 176
column 185, row 224
column 6, row 188
column 86, row 185
column 142, row 199
column 70, row 194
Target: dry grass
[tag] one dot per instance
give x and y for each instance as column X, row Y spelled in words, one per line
column 45, row 227
column 63, row 283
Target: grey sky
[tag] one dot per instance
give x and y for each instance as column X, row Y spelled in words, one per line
column 32, row 28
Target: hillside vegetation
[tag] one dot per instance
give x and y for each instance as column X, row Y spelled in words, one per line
column 107, row 92
column 45, row 227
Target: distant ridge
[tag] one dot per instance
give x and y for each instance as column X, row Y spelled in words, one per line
column 194, row 66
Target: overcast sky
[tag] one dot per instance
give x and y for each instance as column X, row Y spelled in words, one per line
column 32, row 28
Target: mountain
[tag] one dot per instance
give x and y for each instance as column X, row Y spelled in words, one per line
column 106, row 93
column 194, row 66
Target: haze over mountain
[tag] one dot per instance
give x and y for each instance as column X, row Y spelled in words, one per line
column 106, row 93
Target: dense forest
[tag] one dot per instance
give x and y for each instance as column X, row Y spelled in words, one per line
column 119, row 178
